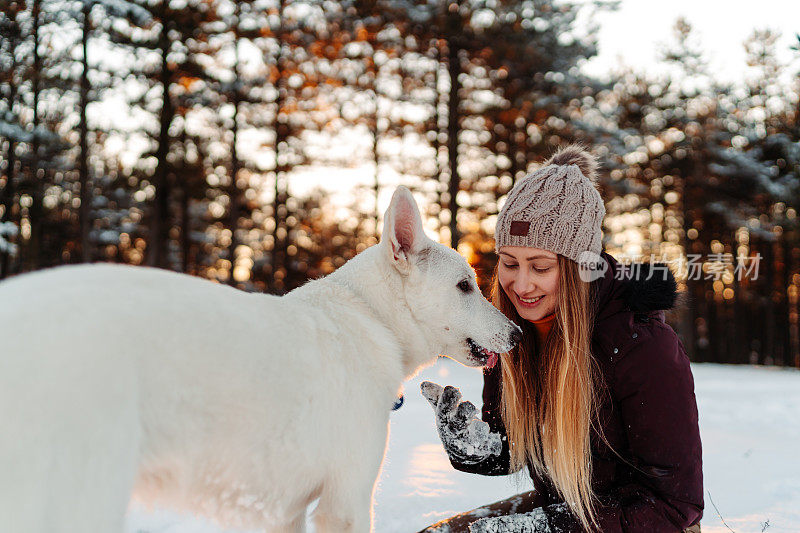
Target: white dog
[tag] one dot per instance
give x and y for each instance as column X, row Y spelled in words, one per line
column 119, row 380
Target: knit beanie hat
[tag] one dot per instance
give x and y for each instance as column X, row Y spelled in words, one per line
column 557, row 208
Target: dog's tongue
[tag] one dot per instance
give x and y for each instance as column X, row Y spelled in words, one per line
column 492, row 360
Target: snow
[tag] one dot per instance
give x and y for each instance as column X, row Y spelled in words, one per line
column 8, row 230
column 461, row 431
column 533, row 522
column 127, row 10
column 747, row 166
column 13, row 131
column 750, row 426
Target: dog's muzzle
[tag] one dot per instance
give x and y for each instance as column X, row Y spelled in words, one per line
column 482, row 355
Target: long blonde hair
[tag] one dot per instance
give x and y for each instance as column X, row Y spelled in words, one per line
column 548, row 392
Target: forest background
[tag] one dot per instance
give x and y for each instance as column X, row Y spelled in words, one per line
column 173, row 133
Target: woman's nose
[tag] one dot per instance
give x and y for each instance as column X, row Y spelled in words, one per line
column 525, row 282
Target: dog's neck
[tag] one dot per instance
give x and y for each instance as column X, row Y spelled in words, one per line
column 371, row 277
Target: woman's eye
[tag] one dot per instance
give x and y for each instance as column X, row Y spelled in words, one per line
column 464, row 285
column 509, row 266
column 541, row 270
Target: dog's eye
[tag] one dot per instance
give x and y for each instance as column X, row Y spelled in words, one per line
column 464, row 285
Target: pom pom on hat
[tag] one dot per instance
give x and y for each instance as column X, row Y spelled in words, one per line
column 575, row 154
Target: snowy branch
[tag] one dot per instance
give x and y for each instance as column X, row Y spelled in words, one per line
column 129, row 11
column 14, row 132
column 7, row 230
column 740, row 165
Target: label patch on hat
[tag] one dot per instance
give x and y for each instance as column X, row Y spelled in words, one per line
column 520, row 227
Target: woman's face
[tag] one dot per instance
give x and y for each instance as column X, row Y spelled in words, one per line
column 529, row 277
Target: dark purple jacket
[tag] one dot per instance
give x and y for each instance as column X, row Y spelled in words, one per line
column 648, row 413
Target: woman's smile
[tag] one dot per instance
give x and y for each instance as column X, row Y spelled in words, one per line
column 528, row 302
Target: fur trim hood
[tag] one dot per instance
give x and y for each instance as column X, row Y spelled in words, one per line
column 641, row 288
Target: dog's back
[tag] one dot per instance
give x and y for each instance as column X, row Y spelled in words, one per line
column 198, row 395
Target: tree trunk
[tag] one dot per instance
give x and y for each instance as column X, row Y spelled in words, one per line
column 376, row 158
column 437, row 145
column 279, row 234
column 740, row 323
column 513, row 154
column 796, row 324
column 36, row 211
column 794, row 254
column 186, row 230
column 233, row 189
column 85, row 209
column 7, row 199
column 159, row 222
column 783, row 261
column 769, row 303
column 688, row 315
column 453, row 130
column 8, row 193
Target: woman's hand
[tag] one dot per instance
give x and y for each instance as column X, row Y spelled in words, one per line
column 465, row 437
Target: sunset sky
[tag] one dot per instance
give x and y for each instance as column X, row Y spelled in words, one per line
column 633, row 32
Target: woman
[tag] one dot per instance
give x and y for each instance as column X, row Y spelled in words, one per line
column 598, row 400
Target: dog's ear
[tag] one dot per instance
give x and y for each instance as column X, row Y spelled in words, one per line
column 402, row 234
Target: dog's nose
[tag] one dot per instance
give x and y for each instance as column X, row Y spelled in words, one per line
column 516, row 336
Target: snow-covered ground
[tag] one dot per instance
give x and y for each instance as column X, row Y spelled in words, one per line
column 750, row 425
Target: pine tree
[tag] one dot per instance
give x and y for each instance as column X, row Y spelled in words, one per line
column 136, row 16
column 171, row 41
column 33, row 146
column 11, row 129
column 768, row 141
column 290, row 44
column 493, row 60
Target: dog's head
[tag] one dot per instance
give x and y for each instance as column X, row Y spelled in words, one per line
column 440, row 290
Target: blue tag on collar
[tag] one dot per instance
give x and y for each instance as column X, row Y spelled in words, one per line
column 398, row 403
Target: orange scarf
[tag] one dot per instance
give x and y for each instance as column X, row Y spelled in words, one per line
column 544, row 325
